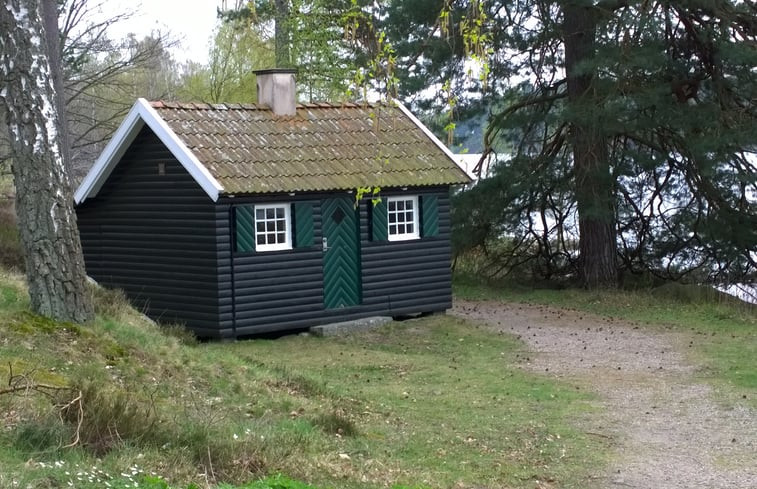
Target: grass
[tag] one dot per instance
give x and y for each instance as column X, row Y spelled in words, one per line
column 432, row 402
column 437, row 402
column 718, row 331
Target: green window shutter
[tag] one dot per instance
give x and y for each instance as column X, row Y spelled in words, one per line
column 244, row 228
column 379, row 226
column 303, row 228
column 430, row 215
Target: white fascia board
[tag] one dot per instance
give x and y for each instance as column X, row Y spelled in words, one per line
column 112, row 153
column 432, row 137
column 143, row 113
column 180, row 151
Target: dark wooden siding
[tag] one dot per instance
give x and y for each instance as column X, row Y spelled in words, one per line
column 223, row 232
column 154, row 236
column 404, row 277
column 282, row 290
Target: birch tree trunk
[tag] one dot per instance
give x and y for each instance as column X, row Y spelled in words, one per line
column 44, row 199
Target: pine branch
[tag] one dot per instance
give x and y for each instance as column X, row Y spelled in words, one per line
column 612, row 5
column 493, row 128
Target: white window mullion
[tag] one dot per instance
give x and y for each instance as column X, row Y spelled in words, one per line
column 273, row 227
column 402, row 218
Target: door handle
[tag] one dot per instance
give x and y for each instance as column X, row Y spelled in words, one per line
column 325, row 244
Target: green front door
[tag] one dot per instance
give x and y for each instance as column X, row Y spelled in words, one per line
column 341, row 255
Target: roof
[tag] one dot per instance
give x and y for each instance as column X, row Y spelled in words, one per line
column 246, row 148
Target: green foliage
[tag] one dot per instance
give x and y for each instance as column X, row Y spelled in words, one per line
column 151, row 482
column 670, row 117
column 373, row 191
column 381, row 67
column 274, row 482
column 519, row 222
column 316, row 41
column 237, row 50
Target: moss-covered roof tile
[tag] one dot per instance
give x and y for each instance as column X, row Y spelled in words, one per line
column 249, row 149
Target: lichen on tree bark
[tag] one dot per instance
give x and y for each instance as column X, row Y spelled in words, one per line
column 44, row 199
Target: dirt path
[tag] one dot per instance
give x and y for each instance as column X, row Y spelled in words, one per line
column 667, row 430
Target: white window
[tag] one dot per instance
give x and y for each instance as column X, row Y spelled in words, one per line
column 402, row 218
column 273, row 230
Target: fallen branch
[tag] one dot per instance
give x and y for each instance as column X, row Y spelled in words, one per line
column 598, row 434
column 24, row 383
column 34, row 387
column 79, row 418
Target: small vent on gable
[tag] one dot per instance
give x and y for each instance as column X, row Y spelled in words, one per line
column 161, row 169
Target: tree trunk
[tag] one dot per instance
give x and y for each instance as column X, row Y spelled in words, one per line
column 282, row 34
column 593, row 180
column 54, row 50
column 44, row 200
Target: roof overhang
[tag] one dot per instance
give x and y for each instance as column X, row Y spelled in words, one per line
column 140, row 114
column 434, row 139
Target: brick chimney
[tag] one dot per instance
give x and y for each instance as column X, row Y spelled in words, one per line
column 276, row 89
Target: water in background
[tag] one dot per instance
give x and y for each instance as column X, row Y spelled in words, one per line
column 745, row 292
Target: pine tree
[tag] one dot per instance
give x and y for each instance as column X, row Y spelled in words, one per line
column 648, row 106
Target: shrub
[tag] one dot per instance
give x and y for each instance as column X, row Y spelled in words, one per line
column 103, row 418
column 110, row 303
column 336, row 424
column 41, row 435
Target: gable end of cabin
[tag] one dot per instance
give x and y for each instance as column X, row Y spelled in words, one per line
column 151, row 231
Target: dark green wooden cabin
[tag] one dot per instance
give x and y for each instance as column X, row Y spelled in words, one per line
column 241, row 219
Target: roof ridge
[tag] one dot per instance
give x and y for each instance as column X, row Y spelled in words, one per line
column 168, row 104
column 165, row 104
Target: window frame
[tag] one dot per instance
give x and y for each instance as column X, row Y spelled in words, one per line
column 416, row 234
column 287, row 244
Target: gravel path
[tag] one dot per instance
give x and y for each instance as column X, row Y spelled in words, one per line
column 666, row 427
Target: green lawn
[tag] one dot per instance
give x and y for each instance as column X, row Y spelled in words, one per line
column 437, row 402
column 433, row 402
